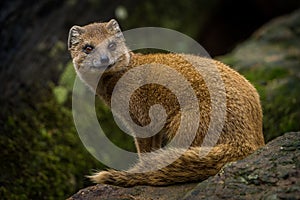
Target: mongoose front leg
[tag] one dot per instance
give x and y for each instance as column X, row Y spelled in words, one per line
column 156, row 141
column 145, row 145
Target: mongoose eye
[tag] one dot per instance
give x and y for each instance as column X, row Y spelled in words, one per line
column 88, row 49
column 112, row 46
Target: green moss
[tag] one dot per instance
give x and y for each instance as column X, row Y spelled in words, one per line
column 42, row 155
column 265, row 73
column 279, row 92
column 68, row 76
column 60, row 94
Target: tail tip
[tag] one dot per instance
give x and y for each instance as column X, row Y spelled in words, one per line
column 100, row 177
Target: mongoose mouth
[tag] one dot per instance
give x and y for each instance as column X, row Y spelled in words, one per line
column 103, row 67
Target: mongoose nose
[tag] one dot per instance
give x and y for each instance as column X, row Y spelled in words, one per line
column 104, row 59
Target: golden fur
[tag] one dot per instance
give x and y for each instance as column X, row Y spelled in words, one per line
column 240, row 136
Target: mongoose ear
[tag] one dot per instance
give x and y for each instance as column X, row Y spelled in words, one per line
column 114, row 28
column 74, row 34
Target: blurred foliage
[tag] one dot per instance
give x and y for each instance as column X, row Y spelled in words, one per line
column 279, row 91
column 43, row 158
column 160, row 15
column 43, row 155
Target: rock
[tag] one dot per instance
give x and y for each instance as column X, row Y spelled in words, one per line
column 107, row 192
column 272, row 172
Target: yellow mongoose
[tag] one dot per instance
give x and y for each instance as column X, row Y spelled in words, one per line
column 91, row 50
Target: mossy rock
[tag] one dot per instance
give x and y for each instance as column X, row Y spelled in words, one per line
column 42, row 157
column 270, row 60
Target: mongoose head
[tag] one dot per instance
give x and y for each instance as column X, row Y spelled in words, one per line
column 98, row 46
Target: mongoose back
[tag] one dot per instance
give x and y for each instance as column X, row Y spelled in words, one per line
column 99, row 46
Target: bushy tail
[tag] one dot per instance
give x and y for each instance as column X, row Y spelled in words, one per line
column 187, row 168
